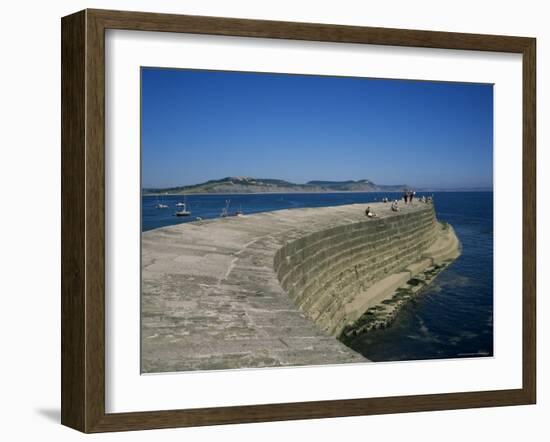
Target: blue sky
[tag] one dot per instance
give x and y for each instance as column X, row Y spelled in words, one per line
column 201, row 125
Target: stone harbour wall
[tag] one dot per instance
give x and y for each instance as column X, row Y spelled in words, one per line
column 277, row 288
column 327, row 270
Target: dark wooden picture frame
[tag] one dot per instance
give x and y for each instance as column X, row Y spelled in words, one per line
column 83, row 220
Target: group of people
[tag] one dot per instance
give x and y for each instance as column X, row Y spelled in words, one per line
column 408, row 196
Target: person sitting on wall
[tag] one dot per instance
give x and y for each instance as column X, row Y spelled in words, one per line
column 369, row 213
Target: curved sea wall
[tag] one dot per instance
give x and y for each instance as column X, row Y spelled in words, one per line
column 276, row 288
column 336, row 275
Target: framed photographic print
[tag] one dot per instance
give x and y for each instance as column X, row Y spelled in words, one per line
column 270, row 220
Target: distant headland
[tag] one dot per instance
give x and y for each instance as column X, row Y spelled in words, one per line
column 241, row 185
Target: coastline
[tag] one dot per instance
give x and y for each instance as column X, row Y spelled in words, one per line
column 273, row 193
column 307, row 193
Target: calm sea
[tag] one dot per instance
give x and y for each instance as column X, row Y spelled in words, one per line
column 452, row 318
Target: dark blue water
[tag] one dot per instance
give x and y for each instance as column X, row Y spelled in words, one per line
column 452, row 318
column 210, row 206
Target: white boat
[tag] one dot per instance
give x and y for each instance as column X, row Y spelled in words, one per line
column 239, row 212
column 183, row 211
column 160, row 204
column 225, row 211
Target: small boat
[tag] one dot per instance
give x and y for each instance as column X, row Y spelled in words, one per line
column 225, row 211
column 239, row 212
column 183, row 211
column 160, row 204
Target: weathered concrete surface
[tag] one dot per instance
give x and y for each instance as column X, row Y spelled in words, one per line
column 260, row 290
